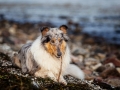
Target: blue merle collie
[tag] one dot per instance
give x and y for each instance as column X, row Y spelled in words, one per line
column 48, row 56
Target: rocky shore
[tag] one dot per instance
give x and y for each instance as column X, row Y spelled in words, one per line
column 99, row 60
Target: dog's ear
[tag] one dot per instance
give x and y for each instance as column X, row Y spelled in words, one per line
column 63, row 28
column 45, row 39
column 65, row 37
column 44, row 30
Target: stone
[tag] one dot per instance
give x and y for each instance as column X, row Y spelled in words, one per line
column 89, row 41
column 113, row 60
column 76, row 50
column 101, row 56
column 118, row 69
column 114, row 82
column 103, row 67
column 96, row 66
column 12, row 29
column 90, row 61
column 109, row 71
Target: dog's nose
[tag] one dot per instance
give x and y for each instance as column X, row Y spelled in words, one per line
column 59, row 54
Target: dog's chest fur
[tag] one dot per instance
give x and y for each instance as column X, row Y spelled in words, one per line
column 46, row 61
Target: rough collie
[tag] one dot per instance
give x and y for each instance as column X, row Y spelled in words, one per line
column 48, row 56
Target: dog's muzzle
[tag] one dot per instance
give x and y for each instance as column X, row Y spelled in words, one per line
column 59, row 54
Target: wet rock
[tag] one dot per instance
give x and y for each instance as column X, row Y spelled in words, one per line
column 5, row 37
column 118, row 69
column 77, row 29
column 77, row 39
column 7, row 50
column 88, row 74
column 114, row 82
column 101, row 56
column 96, row 66
column 77, row 60
column 89, row 41
column 103, row 67
column 78, row 50
column 109, row 84
column 113, row 60
column 91, row 61
column 5, row 47
column 109, row 71
column 12, row 29
column 103, row 84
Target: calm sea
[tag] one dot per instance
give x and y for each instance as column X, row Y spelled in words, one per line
column 97, row 17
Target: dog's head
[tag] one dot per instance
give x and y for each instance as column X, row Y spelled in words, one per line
column 54, row 40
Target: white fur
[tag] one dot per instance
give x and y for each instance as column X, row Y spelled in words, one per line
column 50, row 66
column 75, row 71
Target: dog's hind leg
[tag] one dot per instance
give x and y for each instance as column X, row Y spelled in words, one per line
column 74, row 71
column 15, row 60
column 19, row 63
column 34, row 68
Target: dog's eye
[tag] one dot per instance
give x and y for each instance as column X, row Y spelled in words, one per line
column 52, row 41
column 48, row 39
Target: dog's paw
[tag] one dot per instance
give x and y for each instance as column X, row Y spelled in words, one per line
column 38, row 74
column 63, row 82
column 53, row 78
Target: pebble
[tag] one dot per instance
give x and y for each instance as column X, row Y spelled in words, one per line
column 118, row 69
column 96, row 66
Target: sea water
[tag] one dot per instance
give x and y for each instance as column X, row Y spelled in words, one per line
column 96, row 17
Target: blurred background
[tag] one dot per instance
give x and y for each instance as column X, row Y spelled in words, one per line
column 94, row 31
column 95, row 17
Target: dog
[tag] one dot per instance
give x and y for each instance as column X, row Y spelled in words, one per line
column 48, row 56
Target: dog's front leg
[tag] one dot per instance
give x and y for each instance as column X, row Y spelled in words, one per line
column 45, row 73
column 52, row 76
column 41, row 73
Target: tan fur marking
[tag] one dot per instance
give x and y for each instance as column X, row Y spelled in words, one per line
column 45, row 31
column 59, row 39
column 63, row 29
column 62, row 47
column 51, row 48
column 16, row 61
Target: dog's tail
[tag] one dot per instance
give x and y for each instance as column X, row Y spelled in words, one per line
column 74, row 71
